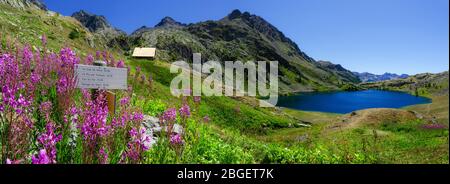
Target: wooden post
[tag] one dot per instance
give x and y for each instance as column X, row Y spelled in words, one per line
column 111, row 101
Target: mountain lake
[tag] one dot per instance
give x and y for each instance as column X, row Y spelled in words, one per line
column 348, row 101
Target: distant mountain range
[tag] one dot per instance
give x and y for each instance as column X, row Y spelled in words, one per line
column 369, row 77
column 420, row 84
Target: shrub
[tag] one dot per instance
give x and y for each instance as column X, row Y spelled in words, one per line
column 154, row 107
column 349, row 87
column 74, row 34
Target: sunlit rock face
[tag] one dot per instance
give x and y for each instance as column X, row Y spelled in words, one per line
column 22, row 4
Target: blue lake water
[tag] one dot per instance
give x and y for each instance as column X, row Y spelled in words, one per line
column 345, row 102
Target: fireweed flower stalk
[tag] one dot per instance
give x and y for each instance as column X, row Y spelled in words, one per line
column 185, row 113
column 197, row 100
column 167, row 120
column 125, row 116
column 150, row 81
column 138, row 117
column 41, row 158
column 46, row 108
column 66, row 79
column 169, row 116
column 71, row 117
column 111, row 61
column 44, row 40
column 121, row 121
column 138, row 144
column 125, row 101
column 138, row 71
column 97, row 54
column 94, row 115
column 120, row 64
column 89, row 60
column 16, row 106
column 177, row 143
column 102, row 156
column 16, row 139
column 143, row 78
column 93, row 126
column 176, row 139
column 48, row 140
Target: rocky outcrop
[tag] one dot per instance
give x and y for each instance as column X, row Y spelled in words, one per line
column 99, row 25
column 95, row 23
column 22, row 4
column 91, row 21
column 153, row 128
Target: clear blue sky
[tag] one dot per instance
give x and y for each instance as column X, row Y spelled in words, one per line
column 377, row 36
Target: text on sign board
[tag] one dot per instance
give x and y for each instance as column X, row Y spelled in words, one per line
column 100, row 77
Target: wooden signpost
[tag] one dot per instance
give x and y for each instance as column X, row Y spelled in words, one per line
column 101, row 77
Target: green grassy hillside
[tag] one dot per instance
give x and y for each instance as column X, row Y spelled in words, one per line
column 27, row 27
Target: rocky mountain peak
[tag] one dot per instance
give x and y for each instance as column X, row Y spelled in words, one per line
column 169, row 22
column 261, row 25
column 234, row 14
column 91, row 21
column 99, row 25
